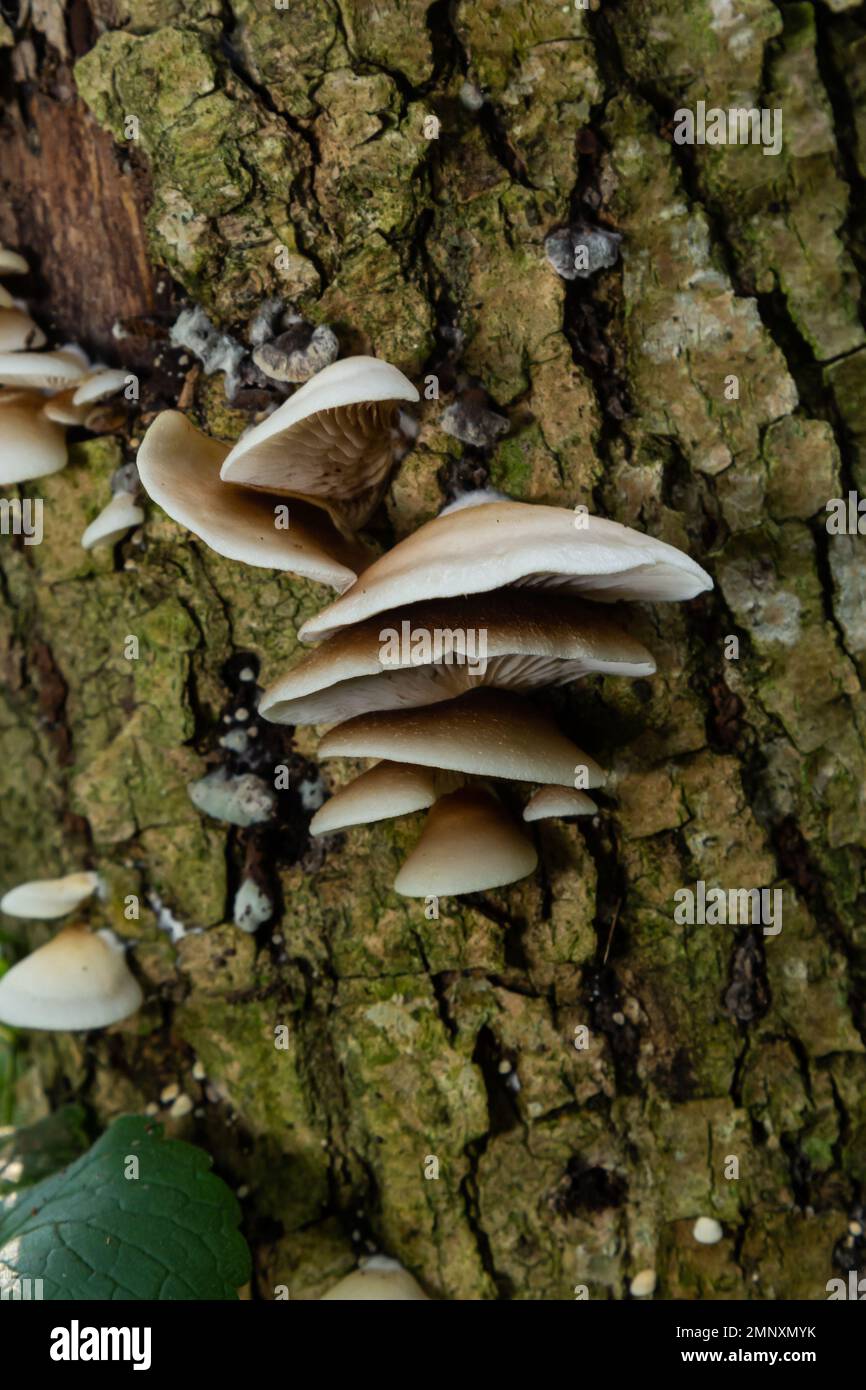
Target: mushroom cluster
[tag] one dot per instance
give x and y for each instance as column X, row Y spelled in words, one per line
column 42, row 393
column 426, row 664
column 427, row 661
column 77, row 980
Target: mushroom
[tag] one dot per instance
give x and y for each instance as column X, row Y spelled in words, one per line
column 493, row 544
column 45, row 371
column 31, row 446
column 386, row 790
column 330, row 443
column 98, row 385
column 18, row 331
column 516, row 640
column 75, row 981
column 46, row 898
column 491, row 733
column 179, row 467
column 551, row 802
column 11, row 263
column 378, row 1277
column 61, row 408
column 469, row 844
column 115, row 519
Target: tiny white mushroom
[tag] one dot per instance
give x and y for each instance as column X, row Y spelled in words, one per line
column 76, row 981
column 46, row 371
column 115, row 519
column 101, row 383
column 378, row 1278
column 48, row 898
column 707, row 1231
column 643, row 1284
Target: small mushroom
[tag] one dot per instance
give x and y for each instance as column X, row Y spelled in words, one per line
column 99, row 384
column 11, row 263
column 179, row 467
column 330, row 443
column 491, row 733
column 298, row 353
column 550, row 802
column 469, row 844
column 18, row 331
column 62, row 409
column 495, row 544
column 47, row 898
column 75, row 981
column 515, row 640
column 31, row 446
column 386, row 790
column 45, row 371
column 379, row 1278
column 113, row 522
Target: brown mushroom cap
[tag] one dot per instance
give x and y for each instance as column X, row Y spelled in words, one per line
column 530, row 640
column 491, row 733
column 386, row 790
column 469, row 844
column 330, row 443
column 179, row 467
column 495, row 544
column 549, row 802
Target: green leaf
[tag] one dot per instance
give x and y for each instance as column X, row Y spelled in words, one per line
column 95, row 1231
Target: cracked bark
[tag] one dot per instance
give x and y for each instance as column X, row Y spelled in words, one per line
column 303, row 130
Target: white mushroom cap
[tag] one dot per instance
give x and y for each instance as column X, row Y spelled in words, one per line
column 7, row 301
column 48, row 371
column 101, row 383
column 491, row 733
column 469, row 844
column 558, row 801
column 386, row 790
column 18, row 331
column 529, row 640
column 329, row 443
column 46, row 898
column 11, row 263
column 179, row 467
column 494, row 544
column 115, row 519
column 377, row 1278
column 30, row 445
column 75, row 981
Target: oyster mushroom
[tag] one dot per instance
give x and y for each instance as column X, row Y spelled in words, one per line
column 516, row 640
column 75, row 981
column 495, row 544
column 384, row 791
column 491, row 733
column 115, row 519
column 11, row 263
column 469, row 844
column 31, row 445
column 378, row 1277
column 46, row 898
column 179, row 467
column 330, row 443
column 18, row 331
column 44, row 371
column 551, row 802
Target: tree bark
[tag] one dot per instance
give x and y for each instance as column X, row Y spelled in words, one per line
column 393, row 170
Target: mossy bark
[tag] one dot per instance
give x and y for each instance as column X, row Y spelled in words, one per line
column 289, row 152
